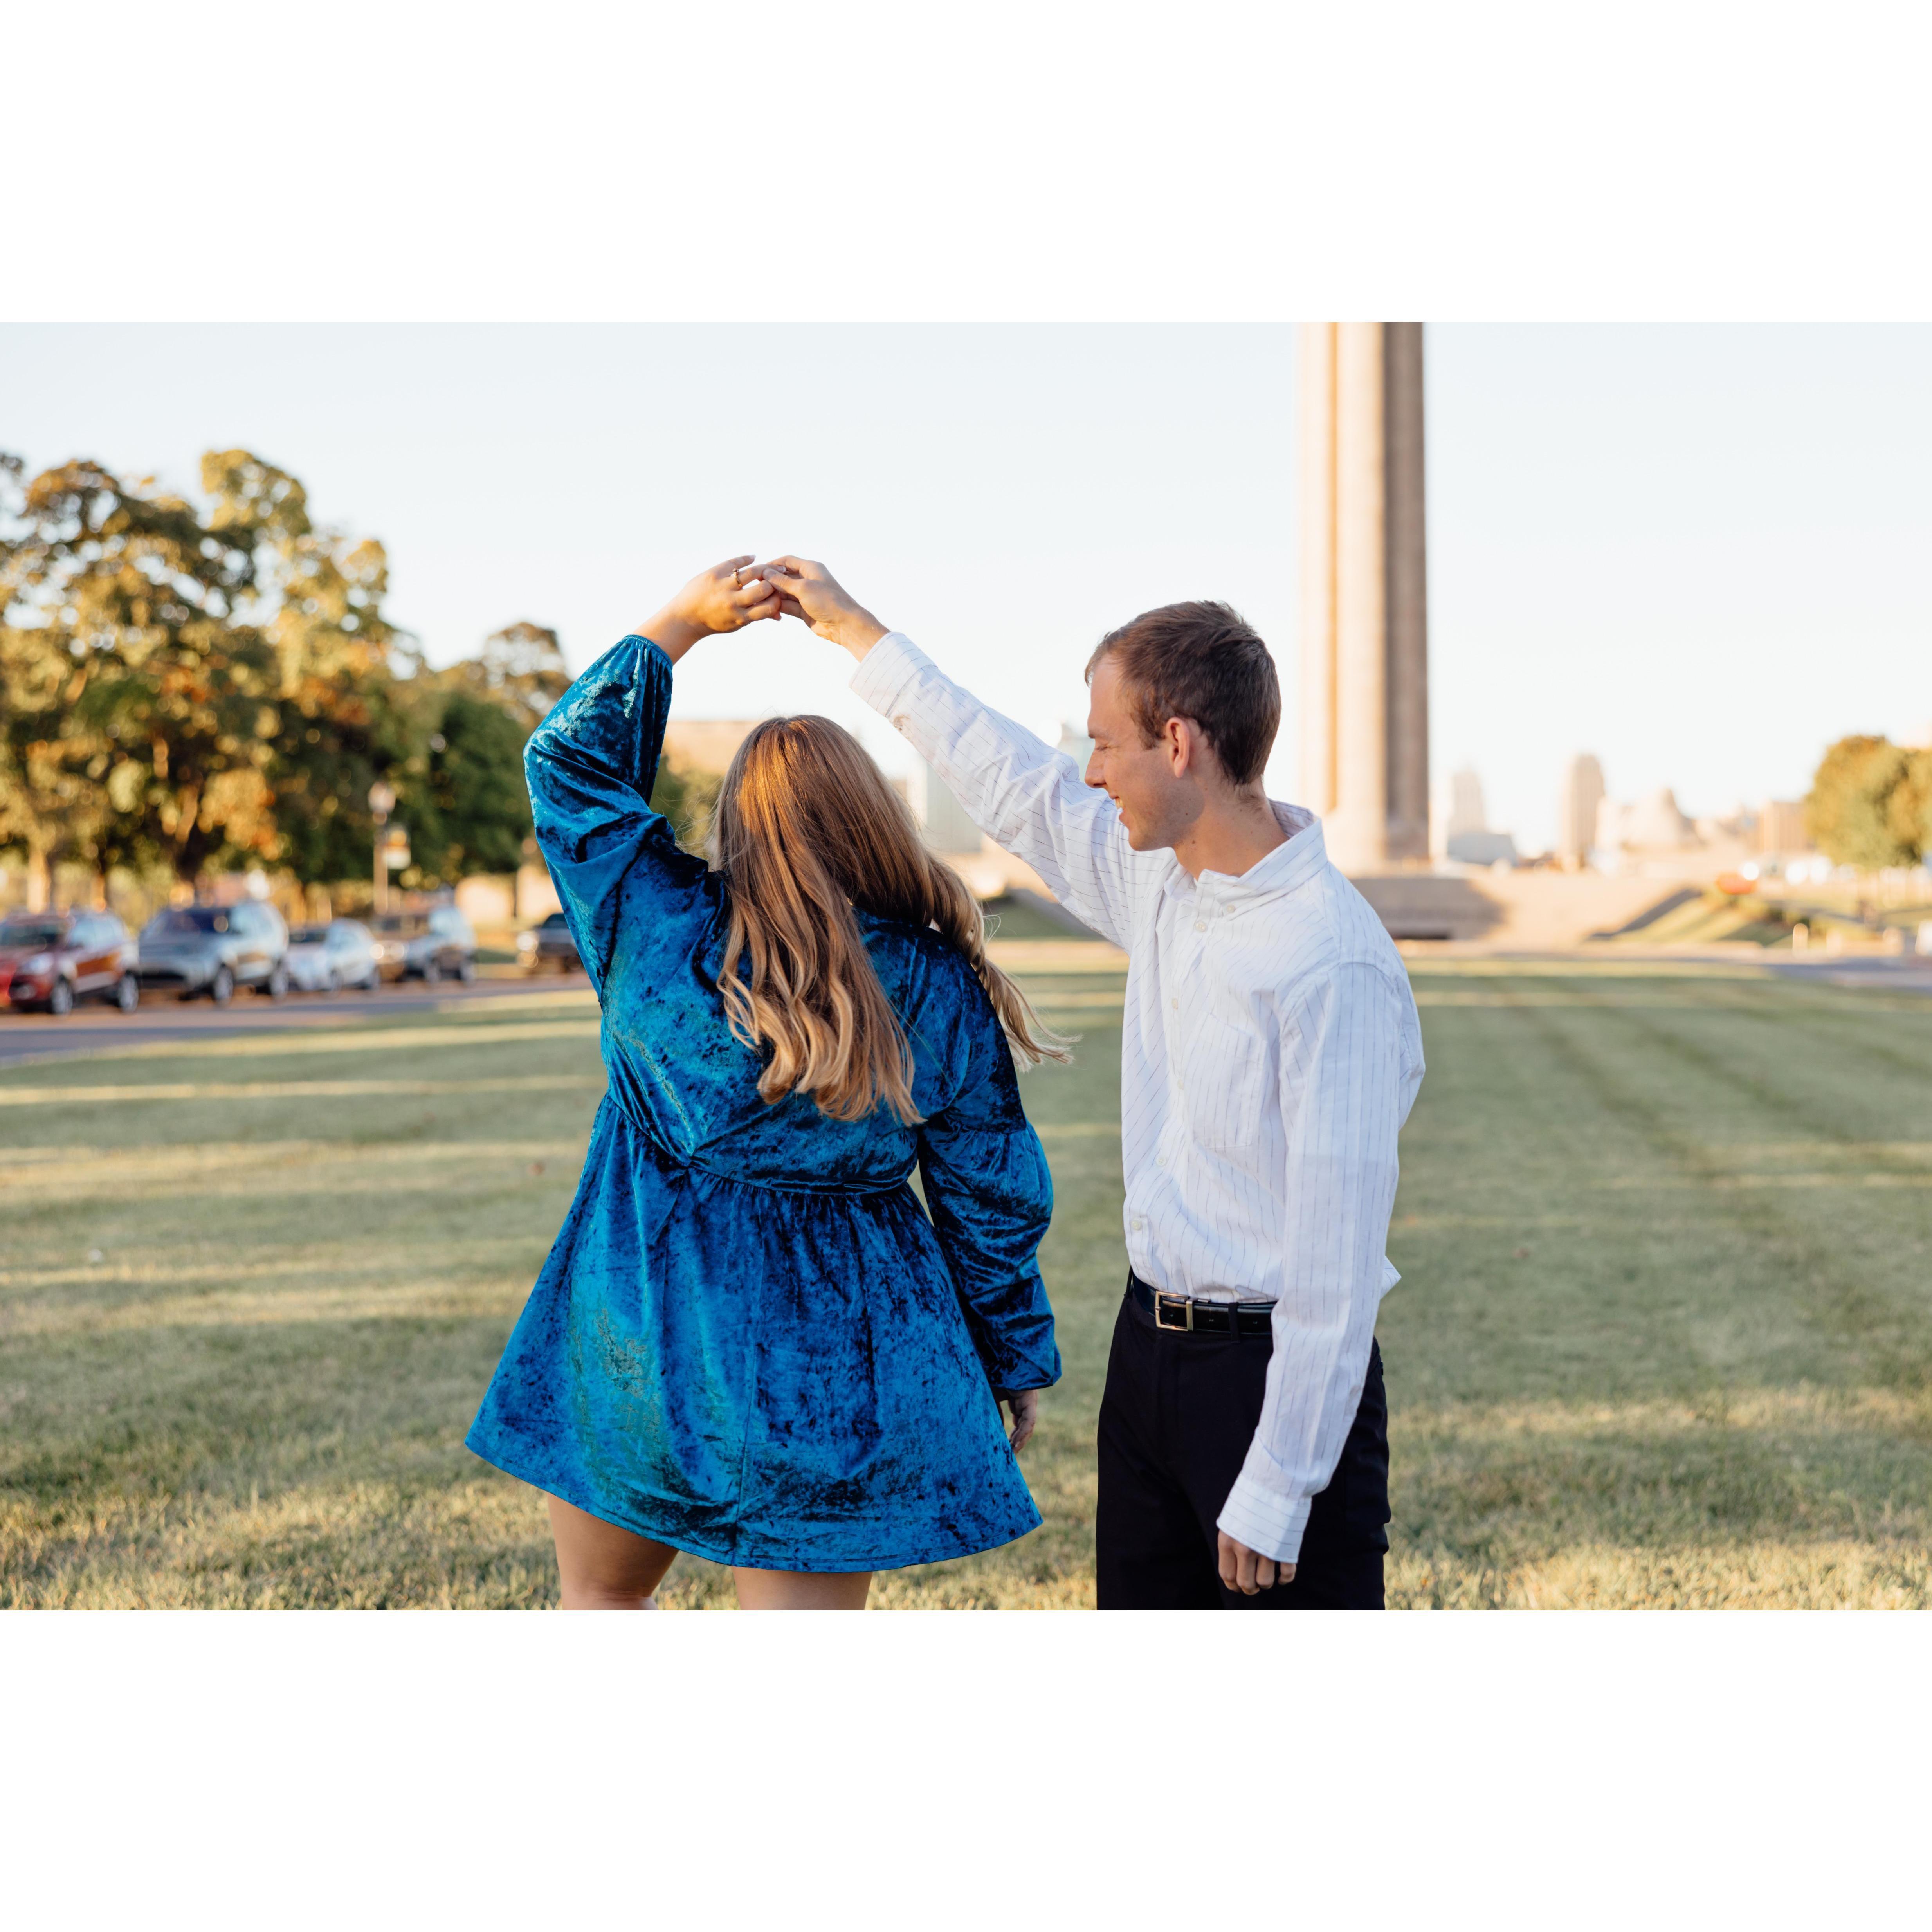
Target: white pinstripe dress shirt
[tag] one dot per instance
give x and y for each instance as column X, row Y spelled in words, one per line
column 1269, row 1054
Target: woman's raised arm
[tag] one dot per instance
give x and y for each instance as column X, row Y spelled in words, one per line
column 591, row 763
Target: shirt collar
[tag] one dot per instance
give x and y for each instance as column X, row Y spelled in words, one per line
column 1289, row 866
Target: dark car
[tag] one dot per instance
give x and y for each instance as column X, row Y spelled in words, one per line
column 431, row 946
column 213, row 950
column 549, row 944
column 51, row 959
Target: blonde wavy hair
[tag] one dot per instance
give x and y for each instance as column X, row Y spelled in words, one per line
column 806, row 828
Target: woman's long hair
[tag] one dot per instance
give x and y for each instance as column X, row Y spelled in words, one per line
column 806, row 829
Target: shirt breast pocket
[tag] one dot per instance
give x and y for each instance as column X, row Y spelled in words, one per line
column 1224, row 1086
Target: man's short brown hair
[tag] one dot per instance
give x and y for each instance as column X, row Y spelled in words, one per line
column 1202, row 662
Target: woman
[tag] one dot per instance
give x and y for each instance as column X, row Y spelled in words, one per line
column 749, row 1341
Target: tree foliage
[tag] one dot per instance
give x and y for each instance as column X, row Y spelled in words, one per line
column 688, row 799
column 470, row 811
column 126, row 602
column 520, row 669
column 198, row 685
column 1870, row 804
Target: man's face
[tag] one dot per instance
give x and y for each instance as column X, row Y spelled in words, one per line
column 1156, row 803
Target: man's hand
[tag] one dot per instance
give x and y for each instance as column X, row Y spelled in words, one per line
column 1023, row 1406
column 726, row 598
column 809, row 591
column 1247, row 1570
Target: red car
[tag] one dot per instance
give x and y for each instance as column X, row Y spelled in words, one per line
column 51, row 959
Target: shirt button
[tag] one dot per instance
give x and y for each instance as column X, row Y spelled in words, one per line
column 1160, row 1160
column 900, row 722
column 1175, row 1004
column 1138, row 1224
column 1200, row 925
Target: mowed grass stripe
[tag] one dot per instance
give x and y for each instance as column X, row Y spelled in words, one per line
column 292, row 1042
column 1681, row 1088
column 1861, row 1275
column 88, row 1092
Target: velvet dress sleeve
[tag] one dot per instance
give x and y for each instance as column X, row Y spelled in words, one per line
column 990, row 1195
column 590, row 765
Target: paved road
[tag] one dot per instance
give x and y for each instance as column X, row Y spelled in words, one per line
column 1889, row 974
column 28, row 1036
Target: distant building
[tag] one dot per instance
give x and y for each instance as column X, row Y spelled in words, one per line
column 1653, row 837
column 1483, row 848
column 1460, row 829
column 1780, row 826
column 941, row 817
column 1466, row 811
column 1075, row 744
column 706, row 744
column 1576, row 808
column 1653, row 824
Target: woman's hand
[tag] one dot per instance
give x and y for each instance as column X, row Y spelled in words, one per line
column 810, row 591
column 726, row 598
column 1023, row 1405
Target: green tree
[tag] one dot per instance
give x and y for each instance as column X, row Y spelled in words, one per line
column 687, row 798
column 520, row 669
column 52, row 799
column 1909, row 809
column 199, row 686
column 1867, row 804
column 469, row 810
column 343, row 719
column 165, row 694
column 48, row 796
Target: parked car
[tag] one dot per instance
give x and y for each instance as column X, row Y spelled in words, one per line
column 51, row 959
column 549, row 944
column 435, row 945
column 213, row 950
column 325, row 958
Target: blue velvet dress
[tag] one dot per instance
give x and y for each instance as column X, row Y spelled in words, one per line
column 750, row 1341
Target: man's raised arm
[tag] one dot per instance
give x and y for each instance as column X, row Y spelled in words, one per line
column 1022, row 793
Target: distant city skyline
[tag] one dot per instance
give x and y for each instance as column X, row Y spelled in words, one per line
column 1691, row 552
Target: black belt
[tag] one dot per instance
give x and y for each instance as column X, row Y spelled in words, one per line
column 1182, row 1314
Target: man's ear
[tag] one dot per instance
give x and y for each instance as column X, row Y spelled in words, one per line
column 1177, row 741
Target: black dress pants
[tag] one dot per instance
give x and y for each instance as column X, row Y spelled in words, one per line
column 1179, row 1413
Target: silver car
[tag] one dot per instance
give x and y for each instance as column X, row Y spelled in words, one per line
column 325, row 958
column 435, row 945
column 213, row 950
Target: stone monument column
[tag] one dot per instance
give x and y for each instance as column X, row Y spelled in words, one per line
column 1407, row 595
column 1316, row 403
column 1364, row 612
column 1358, row 833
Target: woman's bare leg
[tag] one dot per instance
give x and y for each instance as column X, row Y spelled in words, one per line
column 603, row 1567
column 801, row 1590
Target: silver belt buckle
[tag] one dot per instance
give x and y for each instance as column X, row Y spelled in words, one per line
column 1185, row 1327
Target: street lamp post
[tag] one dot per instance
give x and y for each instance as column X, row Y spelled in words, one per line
column 382, row 803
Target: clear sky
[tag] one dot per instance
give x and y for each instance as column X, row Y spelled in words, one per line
column 1700, row 552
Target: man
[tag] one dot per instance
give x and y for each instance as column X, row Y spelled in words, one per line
column 1270, row 1054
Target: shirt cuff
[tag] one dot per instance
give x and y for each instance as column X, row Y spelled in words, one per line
column 1267, row 1522
column 887, row 670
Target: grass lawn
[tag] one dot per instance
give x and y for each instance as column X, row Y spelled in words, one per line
column 1664, row 1335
